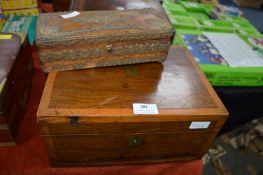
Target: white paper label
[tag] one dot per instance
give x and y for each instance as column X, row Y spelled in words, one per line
column 120, row 8
column 199, row 125
column 70, row 15
column 142, row 108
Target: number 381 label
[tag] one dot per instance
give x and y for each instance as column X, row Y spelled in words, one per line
column 142, row 108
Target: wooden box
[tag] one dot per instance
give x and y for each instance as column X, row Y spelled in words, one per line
column 102, row 38
column 15, row 78
column 86, row 117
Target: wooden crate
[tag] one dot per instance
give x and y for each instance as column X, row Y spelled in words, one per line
column 86, row 117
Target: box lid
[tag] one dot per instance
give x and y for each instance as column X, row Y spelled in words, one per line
column 108, row 25
column 177, row 87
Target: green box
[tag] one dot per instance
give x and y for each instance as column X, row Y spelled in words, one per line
column 216, row 26
column 224, row 75
column 256, row 43
column 178, row 40
column 175, row 9
column 197, row 7
column 220, row 75
column 248, row 32
column 199, row 16
column 181, row 22
column 169, row 1
column 237, row 19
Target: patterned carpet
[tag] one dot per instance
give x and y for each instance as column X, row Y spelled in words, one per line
column 239, row 151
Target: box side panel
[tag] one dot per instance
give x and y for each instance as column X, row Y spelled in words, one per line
column 79, row 54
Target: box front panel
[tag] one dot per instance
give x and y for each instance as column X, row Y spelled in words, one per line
column 79, row 54
column 127, row 148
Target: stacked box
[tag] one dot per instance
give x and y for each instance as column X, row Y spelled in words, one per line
column 255, row 42
column 196, row 7
column 175, row 9
column 216, row 26
column 123, row 37
column 217, row 71
column 184, row 22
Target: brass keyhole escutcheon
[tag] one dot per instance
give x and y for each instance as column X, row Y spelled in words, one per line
column 109, row 48
column 135, row 141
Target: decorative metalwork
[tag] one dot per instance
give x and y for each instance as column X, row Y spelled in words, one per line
column 140, row 48
column 62, row 67
column 68, row 42
column 69, row 54
column 116, row 24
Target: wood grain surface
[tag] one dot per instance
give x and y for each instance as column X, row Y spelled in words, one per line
column 176, row 86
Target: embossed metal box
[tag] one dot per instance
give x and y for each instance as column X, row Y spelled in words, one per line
column 86, row 117
column 102, row 38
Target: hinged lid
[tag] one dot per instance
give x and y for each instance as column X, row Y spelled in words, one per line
column 108, row 25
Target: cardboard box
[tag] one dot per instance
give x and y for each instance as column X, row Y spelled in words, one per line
column 217, row 72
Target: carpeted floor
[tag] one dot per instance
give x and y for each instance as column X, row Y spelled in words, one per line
column 239, row 151
column 29, row 157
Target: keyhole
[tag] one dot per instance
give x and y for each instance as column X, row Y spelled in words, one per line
column 109, row 48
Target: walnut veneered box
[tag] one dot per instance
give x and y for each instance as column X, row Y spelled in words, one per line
column 102, row 38
column 86, row 116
